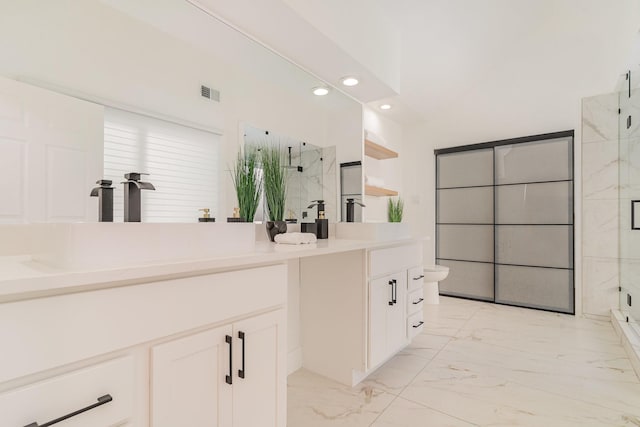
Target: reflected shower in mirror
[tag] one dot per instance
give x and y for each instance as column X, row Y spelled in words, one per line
column 311, row 174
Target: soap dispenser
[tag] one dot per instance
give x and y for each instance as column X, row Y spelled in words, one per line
column 132, row 199
column 351, row 204
column 206, row 217
column 322, row 223
column 104, row 193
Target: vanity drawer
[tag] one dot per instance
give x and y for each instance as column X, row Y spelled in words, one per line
column 64, row 394
column 415, row 301
column 390, row 260
column 415, row 324
column 415, row 278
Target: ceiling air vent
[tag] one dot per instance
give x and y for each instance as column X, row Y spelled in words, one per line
column 209, row 93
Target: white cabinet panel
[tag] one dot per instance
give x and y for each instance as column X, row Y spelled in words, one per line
column 415, row 278
column 415, row 324
column 259, row 383
column 12, row 177
column 65, row 189
column 387, row 314
column 189, row 385
column 415, row 301
column 50, row 399
column 62, row 155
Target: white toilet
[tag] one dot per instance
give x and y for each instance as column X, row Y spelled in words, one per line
column 432, row 275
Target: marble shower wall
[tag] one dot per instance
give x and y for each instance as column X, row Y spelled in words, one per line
column 600, row 210
column 629, row 148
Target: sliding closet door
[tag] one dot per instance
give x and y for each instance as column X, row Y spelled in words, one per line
column 464, row 223
column 504, row 221
column 534, row 224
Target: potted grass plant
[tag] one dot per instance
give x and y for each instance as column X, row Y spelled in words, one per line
column 395, row 209
column 274, row 175
column 247, row 182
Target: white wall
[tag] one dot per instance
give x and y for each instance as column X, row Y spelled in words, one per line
column 388, row 170
column 90, row 49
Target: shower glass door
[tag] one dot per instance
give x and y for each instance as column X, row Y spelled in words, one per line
column 629, row 196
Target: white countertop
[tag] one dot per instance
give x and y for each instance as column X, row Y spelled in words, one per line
column 23, row 278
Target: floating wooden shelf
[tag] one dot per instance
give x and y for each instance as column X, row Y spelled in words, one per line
column 377, row 151
column 370, row 190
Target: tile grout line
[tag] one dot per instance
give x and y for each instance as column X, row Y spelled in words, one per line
column 396, row 396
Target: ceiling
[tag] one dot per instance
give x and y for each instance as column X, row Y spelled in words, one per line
column 429, row 57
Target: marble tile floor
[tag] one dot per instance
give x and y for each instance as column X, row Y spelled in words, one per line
column 478, row 364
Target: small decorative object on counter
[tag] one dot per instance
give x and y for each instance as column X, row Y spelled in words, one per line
column 322, row 224
column 236, row 216
column 132, row 198
column 104, row 193
column 395, row 208
column 206, row 217
column 274, row 228
column 308, row 227
column 351, row 203
column 291, row 219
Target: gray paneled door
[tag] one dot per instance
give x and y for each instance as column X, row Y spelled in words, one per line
column 504, row 221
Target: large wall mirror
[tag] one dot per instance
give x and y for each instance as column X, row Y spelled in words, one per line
column 98, row 88
column 311, row 174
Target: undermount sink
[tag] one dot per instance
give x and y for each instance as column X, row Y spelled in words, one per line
column 435, row 273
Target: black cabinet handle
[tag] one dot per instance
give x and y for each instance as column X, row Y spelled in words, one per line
column 391, row 284
column 418, row 302
column 241, row 371
column 229, row 378
column 420, row 323
column 395, row 291
column 419, row 277
column 101, row 401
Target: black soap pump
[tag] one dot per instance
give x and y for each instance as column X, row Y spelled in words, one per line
column 351, row 204
column 322, row 224
column 104, row 193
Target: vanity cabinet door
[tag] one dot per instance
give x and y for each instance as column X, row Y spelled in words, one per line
column 259, row 383
column 387, row 316
column 189, row 380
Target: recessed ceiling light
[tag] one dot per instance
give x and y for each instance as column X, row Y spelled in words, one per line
column 320, row 90
column 350, row 81
column 385, row 107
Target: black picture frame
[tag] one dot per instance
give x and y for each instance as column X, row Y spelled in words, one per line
column 634, row 225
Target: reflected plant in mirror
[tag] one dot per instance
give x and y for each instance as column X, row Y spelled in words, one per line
column 275, row 181
column 247, row 183
column 395, row 209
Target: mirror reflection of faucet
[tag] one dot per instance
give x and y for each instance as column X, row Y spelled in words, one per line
column 351, row 203
column 104, row 193
column 132, row 199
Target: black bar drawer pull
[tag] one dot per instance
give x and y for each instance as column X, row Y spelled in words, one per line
column 418, row 302
column 395, row 291
column 420, row 323
column 419, row 277
column 241, row 371
column 101, row 401
column 391, row 284
column 229, row 378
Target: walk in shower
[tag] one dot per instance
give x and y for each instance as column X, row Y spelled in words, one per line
column 629, row 196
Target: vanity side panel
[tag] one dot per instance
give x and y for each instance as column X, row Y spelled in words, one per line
column 333, row 314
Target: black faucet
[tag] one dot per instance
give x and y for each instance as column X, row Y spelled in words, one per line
column 132, row 187
column 105, row 197
column 351, row 204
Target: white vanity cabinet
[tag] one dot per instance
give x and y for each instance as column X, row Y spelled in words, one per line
column 227, row 376
column 159, row 349
column 355, row 309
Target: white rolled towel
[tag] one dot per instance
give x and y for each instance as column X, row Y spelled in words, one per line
column 373, row 181
column 295, row 238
